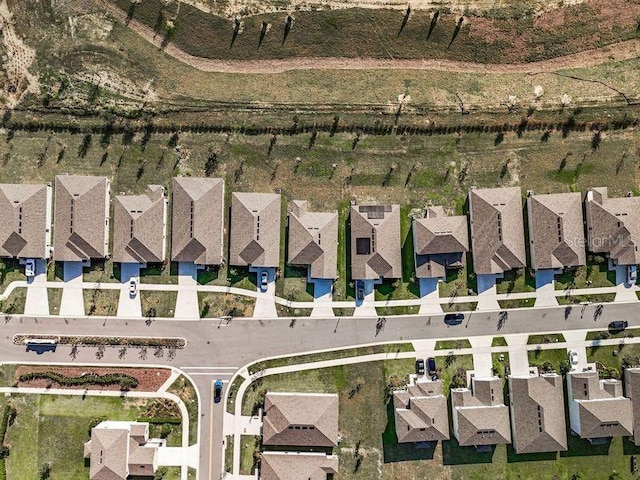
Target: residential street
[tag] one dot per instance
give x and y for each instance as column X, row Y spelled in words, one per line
column 216, row 348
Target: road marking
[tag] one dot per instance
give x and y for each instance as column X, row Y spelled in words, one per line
column 210, row 368
column 213, row 374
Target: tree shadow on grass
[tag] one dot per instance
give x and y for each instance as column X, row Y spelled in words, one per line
column 401, row 452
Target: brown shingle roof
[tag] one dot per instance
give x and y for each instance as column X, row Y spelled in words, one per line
column 81, row 220
column 556, row 230
column 632, row 391
column 421, row 412
column 313, row 240
column 197, row 220
column 117, row 449
column 300, row 419
column 613, row 226
column 439, row 242
column 375, row 242
column 537, row 414
column 255, row 230
column 480, row 418
column 597, row 407
column 23, row 221
column 139, row 227
column 497, row 230
column 297, row 466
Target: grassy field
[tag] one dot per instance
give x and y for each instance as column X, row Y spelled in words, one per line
column 340, row 33
column 214, row 305
column 248, row 445
column 14, row 304
column 606, row 356
column 556, row 357
column 53, row 429
column 183, row 388
column 158, row 304
column 516, row 281
column 452, row 344
column 101, row 302
column 548, row 338
column 594, row 274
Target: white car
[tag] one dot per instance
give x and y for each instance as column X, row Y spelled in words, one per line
column 573, row 357
column 133, row 287
column 632, row 274
column 30, row 268
column 264, row 281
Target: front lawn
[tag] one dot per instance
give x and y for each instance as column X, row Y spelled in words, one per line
column 594, row 274
column 158, row 304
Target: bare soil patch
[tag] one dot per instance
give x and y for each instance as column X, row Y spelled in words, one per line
column 150, row 379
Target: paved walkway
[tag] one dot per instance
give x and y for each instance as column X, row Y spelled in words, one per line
column 187, row 307
column 37, row 302
column 518, row 354
column 72, row 302
column 481, row 351
column 128, row 305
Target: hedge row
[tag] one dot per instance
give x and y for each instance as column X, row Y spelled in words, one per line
column 124, row 341
column 159, row 420
column 126, row 382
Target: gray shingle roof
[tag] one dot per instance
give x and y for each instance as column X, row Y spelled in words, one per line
column 537, row 414
column 375, row 242
column 480, row 418
column 197, row 220
column 255, row 230
column 300, row 419
column 613, row 226
column 597, row 407
column 297, row 466
column 556, row 230
column 81, row 220
column 439, row 242
column 421, row 412
column 139, row 227
column 497, row 230
column 632, row 391
column 23, row 221
column 313, row 240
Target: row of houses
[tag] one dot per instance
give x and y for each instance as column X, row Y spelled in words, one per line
column 81, row 217
column 534, row 419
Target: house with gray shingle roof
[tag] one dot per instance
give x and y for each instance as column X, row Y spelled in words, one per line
column 632, row 392
column 197, row 220
column 300, row 419
column 613, row 226
column 375, row 242
column 81, row 220
column 537, row 413
column 255, row 230
column 497, row 230
column 440, row 242
column 480, row 417
column 140, row 227
column 313, row 240
column 556, row 231
column 297, row 466
column 597, row 409
column 25, row 221
column 119, row 449
column 421, row 412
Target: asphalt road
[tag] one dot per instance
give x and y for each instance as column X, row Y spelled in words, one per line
column 217, row 348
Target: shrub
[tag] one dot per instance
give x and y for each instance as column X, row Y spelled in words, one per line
column 126, row 382
column 459, row 379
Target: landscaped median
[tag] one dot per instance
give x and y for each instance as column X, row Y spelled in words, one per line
column 100, row 340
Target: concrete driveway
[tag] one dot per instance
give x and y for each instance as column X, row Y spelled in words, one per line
column 487, row 293
column 430, row 294
column 322, row 297
column 265, row 306
column 37, row 302
column 365, row 308
column 129, row 306
column 625, row 292
column 545, row 289
column 187, row 307
column 72, row 302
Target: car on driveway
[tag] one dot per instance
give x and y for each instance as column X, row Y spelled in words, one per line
column 30, row 267
column 264, row 281
column 632, row 274
column 217, row 391
column 618, row 325
column 420, row 366
column 452, row 319
column 360, row 290
column 573, row 357
column 431, row 365
column 133, row 287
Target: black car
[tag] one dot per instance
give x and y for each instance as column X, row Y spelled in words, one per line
column 618, row 325
column 420, row 366
column 453, row 319
column 431, row 365
column 217, row 391
column 360, row 290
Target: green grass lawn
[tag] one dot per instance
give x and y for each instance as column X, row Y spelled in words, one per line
column 15, row 303
column 548, row 338
column 556, row 357
column 520, row 303
column 101, row 302
column 596, row 298
column 53, row 429
column 248, row 447
column 183, row 388
column 228, row 454
column 214, row 305
column 613, row 355
column 594, row 274
column 459, row 307
column 293, row 285
column 457, row 283
column 515, row 281
column 158, row 304
column 452, row 344
column 160, row 273
column 10, row 271
column 603, row 334
column 498, row 342
column 54, row 296
column 102, row 271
